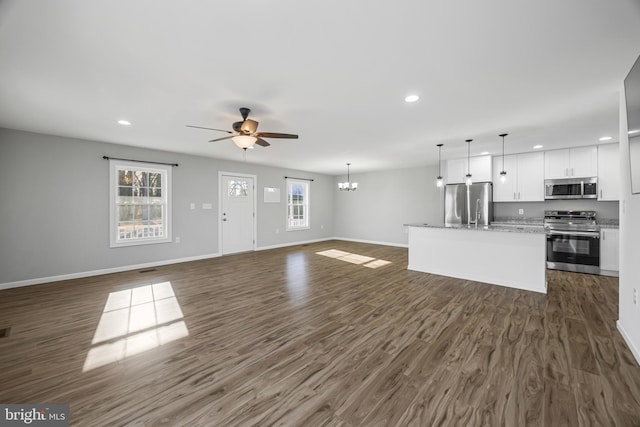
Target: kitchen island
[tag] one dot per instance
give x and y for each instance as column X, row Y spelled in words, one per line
column 506, row 255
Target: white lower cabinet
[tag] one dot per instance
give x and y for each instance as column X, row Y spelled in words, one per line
column 610, row 249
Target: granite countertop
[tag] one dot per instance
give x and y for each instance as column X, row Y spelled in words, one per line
column 608, row 223
column 509, row 228
column 518, row 220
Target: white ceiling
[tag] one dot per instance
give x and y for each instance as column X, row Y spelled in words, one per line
column 334, row 72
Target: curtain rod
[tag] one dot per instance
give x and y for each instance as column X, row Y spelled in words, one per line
column 301, row 179
column 139, row 161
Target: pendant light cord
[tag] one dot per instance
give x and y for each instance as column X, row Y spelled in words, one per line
column 469, row 156
column 503, row 152
column 503, row 135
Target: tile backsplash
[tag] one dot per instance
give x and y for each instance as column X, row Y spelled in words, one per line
column 604, row 210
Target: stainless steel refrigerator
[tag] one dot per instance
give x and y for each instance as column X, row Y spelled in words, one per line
column 468, row 204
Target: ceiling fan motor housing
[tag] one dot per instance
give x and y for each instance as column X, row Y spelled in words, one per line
column 244, row 111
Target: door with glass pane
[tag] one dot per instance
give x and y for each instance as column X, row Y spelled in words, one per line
column 237, row 215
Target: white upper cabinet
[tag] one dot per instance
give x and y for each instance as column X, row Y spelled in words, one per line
column 571, row 163
column 505, row 191
column 584, row 162
column 531, row 177
column 479, row 166
column 609, row 172
column 525, row 178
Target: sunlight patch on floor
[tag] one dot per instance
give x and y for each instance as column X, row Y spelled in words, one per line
column 367, row 261
column 136, row 320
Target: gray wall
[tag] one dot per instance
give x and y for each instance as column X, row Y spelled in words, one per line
column 386, row 200
column 54, row 215
column 604, row 210
column 628, row 312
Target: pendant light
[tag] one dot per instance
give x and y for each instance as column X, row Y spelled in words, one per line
column 439, row 180
column 468, row 179
column 348, row 186
column 503, row 173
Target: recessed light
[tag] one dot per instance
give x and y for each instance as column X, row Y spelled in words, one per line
column 484, row 153
column 124, row 122
column 411, row 98
column 605, row 138
column 535, row 147
column 631, row 132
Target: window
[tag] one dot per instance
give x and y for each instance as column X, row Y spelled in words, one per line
column 297, row 204
column 140, row 203
column 237, row 188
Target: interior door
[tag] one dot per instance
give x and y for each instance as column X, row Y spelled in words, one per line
column 237, row 214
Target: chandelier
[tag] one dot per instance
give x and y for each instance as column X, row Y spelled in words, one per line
column 347, row 185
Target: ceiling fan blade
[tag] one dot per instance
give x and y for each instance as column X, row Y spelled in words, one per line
column 262, row 142
column 223, row 138
column 249, row 126
column 275, row 135
column 200, row 127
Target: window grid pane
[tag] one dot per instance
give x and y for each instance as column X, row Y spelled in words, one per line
column 297, row 205
column 141, row 205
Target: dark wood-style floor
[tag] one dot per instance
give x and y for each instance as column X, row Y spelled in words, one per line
column 333, row 333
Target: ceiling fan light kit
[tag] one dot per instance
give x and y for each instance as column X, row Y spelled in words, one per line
column 244, row 141
column 245, row 134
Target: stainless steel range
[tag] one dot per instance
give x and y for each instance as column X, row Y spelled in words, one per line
column 573, row 241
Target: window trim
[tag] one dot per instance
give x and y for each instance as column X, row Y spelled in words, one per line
column 114, row 166
column 307, row 204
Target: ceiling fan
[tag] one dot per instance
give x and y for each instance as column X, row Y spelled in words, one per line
column 245, row 134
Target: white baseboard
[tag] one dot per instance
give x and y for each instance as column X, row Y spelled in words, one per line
column 82, row 274
column 630, row 344
column 372, row 242
column 284, row 245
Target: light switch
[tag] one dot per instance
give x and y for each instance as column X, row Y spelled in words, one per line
column 207, row 206
column 192, row 206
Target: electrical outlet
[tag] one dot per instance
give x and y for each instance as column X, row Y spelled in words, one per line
column 520, row 211
column 192, row 206
column 178, row 240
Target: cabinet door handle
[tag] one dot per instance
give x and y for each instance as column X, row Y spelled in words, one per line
column 514, row 196
column 566, row 171
column 601, row 193
column 571, row 171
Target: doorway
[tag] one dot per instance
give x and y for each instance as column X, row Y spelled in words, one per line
column 237, row 227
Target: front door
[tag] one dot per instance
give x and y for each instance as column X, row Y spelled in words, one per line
column 237, row 216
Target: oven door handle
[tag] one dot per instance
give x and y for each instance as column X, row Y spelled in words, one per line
column 594, row 235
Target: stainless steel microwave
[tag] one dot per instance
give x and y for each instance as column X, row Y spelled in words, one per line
column 571, row 188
